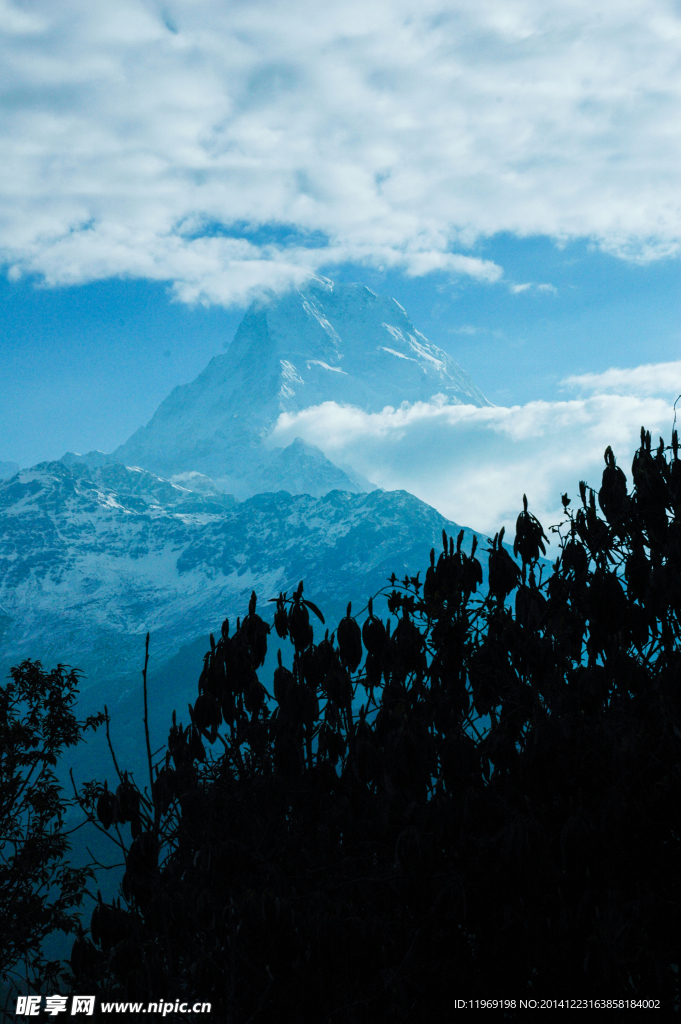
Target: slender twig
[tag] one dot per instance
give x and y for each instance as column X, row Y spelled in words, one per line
column 107, row 867
column 111, row 749
column 146, row 727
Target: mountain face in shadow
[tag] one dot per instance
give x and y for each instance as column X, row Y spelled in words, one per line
column 323, row 343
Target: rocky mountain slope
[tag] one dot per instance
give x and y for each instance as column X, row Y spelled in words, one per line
column 92, row 559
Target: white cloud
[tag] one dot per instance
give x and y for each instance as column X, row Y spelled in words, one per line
column 518, row 289
column 395, row 132
column 473, row 464
column 651, row 379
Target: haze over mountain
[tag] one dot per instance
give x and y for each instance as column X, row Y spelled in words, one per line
column 323, row 343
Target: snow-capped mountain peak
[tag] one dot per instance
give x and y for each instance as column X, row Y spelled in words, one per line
column 323, row 343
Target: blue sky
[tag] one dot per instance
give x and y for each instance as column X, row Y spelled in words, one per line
column 510, row 171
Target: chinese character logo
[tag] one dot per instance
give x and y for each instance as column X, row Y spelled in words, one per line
column 55, row 1005
column 83, row 1004
column 28, row 1006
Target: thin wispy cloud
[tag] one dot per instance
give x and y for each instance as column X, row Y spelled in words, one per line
column 651, row 379
column 474, row 464
column 518, row 289
column 155, row 140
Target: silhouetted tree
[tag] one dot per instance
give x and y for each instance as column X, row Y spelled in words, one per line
column 39, row 893
column 500, row 818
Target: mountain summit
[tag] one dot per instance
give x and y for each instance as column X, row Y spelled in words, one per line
column 323, row 343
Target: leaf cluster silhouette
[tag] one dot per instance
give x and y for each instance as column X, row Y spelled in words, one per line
column 39, row 892
column 501, row 817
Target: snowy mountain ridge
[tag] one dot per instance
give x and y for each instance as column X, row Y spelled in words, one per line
column 90, row 560
column 323, row 343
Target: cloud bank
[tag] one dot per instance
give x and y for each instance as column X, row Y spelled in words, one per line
column 474, row 465
column 161, row 140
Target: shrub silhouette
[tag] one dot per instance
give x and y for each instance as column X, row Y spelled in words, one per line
column 39, row 893
column 501, row 818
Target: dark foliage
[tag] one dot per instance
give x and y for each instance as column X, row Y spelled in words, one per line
column 502, row 816
column 38, row 892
